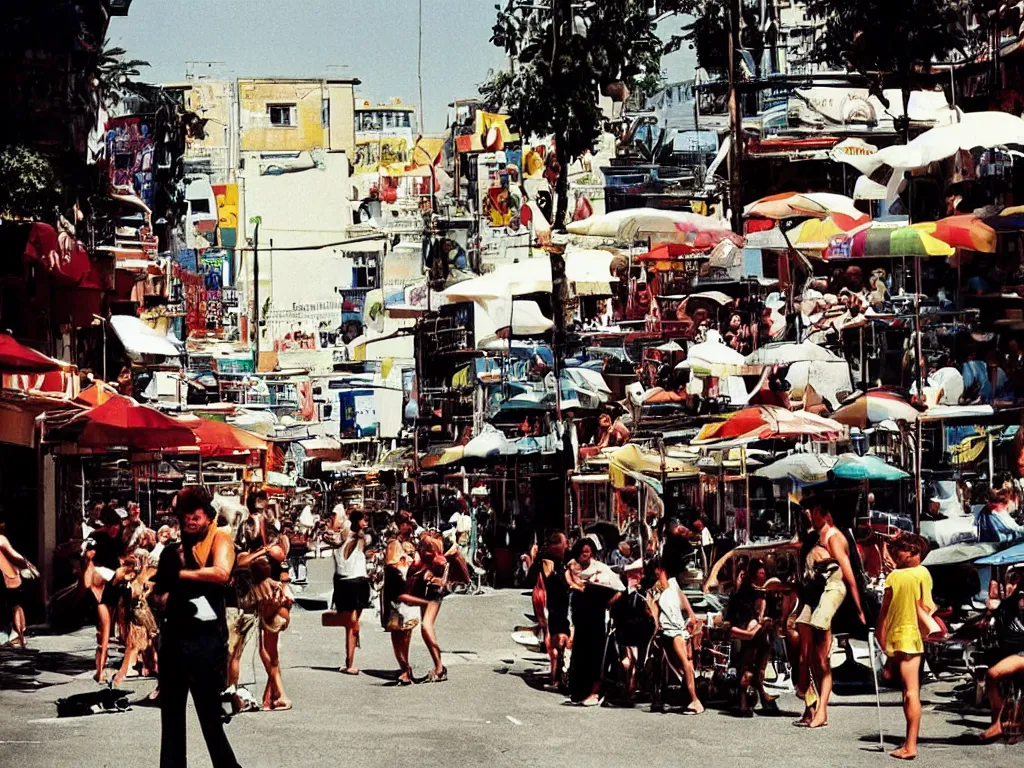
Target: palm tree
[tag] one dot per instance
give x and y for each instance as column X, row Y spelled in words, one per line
column 114, row 75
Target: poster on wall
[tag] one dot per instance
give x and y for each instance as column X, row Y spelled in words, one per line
column 130, row 148
column 227, row 214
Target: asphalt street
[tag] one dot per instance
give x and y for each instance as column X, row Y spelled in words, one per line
column 490, row 712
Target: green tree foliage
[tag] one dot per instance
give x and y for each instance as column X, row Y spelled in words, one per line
column 564, row 54
column 893, row 43
column 30, row 186
column 115, row 76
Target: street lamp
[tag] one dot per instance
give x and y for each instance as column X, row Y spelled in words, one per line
column 102, row 322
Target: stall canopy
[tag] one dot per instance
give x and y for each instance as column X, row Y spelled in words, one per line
column 221, row 440
column 1012, row 556
column 959, row 553
column 17, row 358
column 875, row 407
column 799, row 468
column 122, row 423
column 645, row 466
column 764, row 422
column 140, row 340
column 850, row 466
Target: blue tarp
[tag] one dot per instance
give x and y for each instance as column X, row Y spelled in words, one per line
column 1011, row 556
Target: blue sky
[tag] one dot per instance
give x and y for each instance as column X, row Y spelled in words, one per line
column 373, row 40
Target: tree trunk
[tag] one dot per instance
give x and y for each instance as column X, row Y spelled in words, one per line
column 905, row 92
column 561, row 186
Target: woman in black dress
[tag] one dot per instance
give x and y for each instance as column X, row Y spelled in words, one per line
column 594, row 588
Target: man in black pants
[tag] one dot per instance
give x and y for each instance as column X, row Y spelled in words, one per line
column 190, row 583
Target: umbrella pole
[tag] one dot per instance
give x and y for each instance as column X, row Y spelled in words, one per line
column 746, row 484
column 872, row 644
column 919, row 500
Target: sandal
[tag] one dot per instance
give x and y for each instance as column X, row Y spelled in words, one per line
column 433, row 677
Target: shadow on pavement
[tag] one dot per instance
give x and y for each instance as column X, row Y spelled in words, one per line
column 20, row 669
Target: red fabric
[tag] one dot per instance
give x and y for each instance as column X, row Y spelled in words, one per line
column 17, row 358
column 61, row 255
column 122, row 422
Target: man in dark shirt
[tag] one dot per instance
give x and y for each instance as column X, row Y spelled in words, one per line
column 190, row 585
column 676, row 549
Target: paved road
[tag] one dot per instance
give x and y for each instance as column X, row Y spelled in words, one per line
column 487, row 714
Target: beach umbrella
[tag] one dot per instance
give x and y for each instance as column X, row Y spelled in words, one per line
column 786, row 205
column 875, row 407
column 121, row 422
column 658, row 226
column 800, row 468
column 17, row 358
column 880, row 240
column 712, row 356
column 764, row 422
column 787, row 353
column 850, row 466
column 963, row 231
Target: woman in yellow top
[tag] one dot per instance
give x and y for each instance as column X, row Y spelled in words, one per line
column 907, row 588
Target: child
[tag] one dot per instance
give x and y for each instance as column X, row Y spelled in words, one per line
column 908, row 589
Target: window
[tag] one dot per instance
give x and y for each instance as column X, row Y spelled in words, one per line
column 325, row 113
column 282, row 115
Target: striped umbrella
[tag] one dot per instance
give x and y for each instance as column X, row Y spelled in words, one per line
column 881, row 240
column 827, row 215
column 963, row 231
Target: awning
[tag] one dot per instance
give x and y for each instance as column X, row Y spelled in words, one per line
column 322, row 448
column 218, row 439
column 139, row 339
column 17, row 358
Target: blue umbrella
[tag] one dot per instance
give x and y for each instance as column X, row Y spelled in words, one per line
column 853, row 467
column 1011, row 556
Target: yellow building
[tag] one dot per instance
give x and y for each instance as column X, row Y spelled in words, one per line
column 296, row 115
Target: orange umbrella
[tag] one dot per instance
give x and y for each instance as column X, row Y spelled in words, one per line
column 220, row 439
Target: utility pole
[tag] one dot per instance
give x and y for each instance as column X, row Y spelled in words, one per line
column 419, row 69
column 735, row 122
column 256, row 288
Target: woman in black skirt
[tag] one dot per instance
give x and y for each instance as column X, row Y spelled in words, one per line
column 351, row 586
column 594, row 588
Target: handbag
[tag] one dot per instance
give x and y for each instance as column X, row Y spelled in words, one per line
column 12, row 577
column 331, row 619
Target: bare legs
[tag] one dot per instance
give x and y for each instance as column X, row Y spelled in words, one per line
column 273, row 694
column 821, row 664
column 350, row 620
column 556, row 650
column 102, row 638
column 683, row 656
column 427, row 622
column 18, row 620
column 910, row 671
column 400, row 642
column 1008, row 667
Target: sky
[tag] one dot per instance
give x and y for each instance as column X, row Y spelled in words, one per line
column 372, row 40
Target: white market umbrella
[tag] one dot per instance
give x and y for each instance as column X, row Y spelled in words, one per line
column 801, row 468
column 659, row 225
column 787, row 353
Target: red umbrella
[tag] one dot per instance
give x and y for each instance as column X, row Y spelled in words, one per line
column 764, row 422
column 17, row 358
column 121, row 422
column 220, row 439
